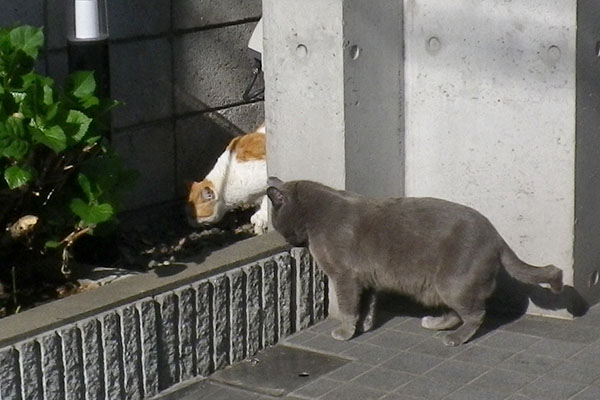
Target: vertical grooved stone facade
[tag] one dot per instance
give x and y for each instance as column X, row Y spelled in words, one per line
column 142, row 348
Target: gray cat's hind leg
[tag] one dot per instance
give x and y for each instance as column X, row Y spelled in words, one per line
column 348, row 297
column 447, row 321
column 472, row 320
column 370, row 298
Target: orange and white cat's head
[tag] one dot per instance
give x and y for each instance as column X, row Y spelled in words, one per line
column 203, row 204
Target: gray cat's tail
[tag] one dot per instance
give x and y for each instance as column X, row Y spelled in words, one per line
column 531, row 274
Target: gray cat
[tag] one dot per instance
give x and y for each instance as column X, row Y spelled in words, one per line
column 438, row 252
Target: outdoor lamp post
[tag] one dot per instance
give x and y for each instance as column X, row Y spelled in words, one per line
column 87, row 42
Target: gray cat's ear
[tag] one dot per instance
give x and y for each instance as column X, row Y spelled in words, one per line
column 276, row 196
column 274, row 181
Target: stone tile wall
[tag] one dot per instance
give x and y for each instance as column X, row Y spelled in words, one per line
column 179, row 66
column 139, row 349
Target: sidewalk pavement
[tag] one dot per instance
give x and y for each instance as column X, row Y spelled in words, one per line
column 528, row 358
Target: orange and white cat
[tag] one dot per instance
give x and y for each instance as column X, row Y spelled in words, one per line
column 238, row 178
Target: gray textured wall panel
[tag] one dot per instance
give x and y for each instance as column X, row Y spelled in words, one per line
column 168, row 341
column 31, row 367
column 113, row 355
column 187, row 332
column 304, row 288
column 53, row 366
column 204, row 329
column 10, row 382
column 132, row 355
column 254, row 309
column 149, row 318
column 73, row 356
column 93, row 361
column 221, row 321
column 320, row 287
column 237, row 278
column 270, row 303
column 285, row 295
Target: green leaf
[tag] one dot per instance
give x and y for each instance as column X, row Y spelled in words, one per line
column 81, row 122
column 81, row 84
column 86, row 186
column 12, row 139
column 52, row 244
column 53, row 137
column 91, row 214
column 17, row 176
column 27, row 39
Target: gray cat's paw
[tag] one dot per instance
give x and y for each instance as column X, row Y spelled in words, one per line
column 342, row 333
column 452, row 340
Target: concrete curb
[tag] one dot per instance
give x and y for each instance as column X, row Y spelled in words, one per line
column 135, row 343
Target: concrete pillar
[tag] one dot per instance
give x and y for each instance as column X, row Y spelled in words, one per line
column 333, row 101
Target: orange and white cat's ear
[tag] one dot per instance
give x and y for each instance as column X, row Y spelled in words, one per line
column 207, row 194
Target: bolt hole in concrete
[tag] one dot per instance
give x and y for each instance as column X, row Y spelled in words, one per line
column 594, row 278
column 354, row 52
column 301, row 51
column 554, row 53
column 434, row 44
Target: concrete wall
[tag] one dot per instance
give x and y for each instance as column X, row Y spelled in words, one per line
column 138, row 345
column 333, row 81
column 490, row 120
column 180, row 67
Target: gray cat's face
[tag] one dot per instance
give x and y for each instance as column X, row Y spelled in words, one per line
column 287, row 215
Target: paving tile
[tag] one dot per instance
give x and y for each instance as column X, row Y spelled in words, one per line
column 329, row 344
column 398, row 396
column 324, row 327
column 413, row 325
column 590, row 393
column 475, row 393
column 577, row 333
column 529, row 363
column 435, row 347
column 503, row 381
column 592, row 318
column 575, row 372
column 301, row 337
column 412, row 363
column 535, row 326
column 369, row 354
column 349, row 371
column 396, row 340
column 317, row 388
column 352, row 391
column 558, row 349
column 551, row 389
column 588, row 355
column 511, row 341
column 383, row 379
column 456, row 371
column 429, row 389
column 484, row 355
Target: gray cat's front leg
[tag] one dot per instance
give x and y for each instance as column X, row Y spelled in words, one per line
column 348, row 297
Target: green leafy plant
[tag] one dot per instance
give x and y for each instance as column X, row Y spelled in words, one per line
column 56, row 170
